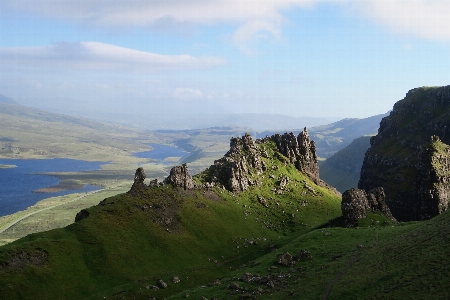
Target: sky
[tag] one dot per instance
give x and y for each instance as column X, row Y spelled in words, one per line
column 146, row 58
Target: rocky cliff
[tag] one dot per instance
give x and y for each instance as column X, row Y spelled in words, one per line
column 398, row 159
column 432, row 185
column 241, row 165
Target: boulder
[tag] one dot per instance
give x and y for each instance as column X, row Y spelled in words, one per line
column 356, row 204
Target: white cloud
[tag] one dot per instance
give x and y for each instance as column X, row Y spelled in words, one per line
column 254, row 18
column 424, row 18
column 187, row 93
column 101, row 57
column 251, row 16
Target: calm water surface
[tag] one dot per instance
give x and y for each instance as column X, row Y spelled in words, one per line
column 161, row 152
column 17, row 184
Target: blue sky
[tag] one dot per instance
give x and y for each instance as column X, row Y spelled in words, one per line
column 314, row 58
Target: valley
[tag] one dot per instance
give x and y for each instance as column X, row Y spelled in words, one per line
column 255, row 220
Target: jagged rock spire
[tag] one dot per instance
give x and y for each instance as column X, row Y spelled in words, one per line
column 233, row 170
column 139, row 178
column 301, row 152
column 179, row 176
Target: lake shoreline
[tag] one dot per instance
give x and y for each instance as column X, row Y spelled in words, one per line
column 61, row 187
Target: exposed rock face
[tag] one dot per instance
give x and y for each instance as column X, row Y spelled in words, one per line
column 139, row 178
column 179, row 176
column 234, row 169
column 432, row 186
column 301, row 152
column 356, row 204
column 396, row 162
column 245, row 159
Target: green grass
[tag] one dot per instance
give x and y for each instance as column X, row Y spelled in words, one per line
column 129, row 242
column 403, row 261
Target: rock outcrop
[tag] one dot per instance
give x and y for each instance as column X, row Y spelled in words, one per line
column 301, row 152
column 237, row 170
column 233, row 171
column 138, row 183
column 396, row 162
column 81, row 215
column 432, row 186
column 179, row 176
column 356, row 204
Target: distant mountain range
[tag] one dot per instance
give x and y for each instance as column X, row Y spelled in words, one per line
column 4, row 99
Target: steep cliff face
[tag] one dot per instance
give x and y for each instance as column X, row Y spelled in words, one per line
column 395, row 160
column 432, row 184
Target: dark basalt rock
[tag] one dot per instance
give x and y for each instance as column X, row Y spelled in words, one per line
column 138, row 184
column 20, row 259
column 244, row 159
column 356, row 204
column 180, row 177
column 301, row 152
column 234, row 169
column 399, row 162
column 432, row 185
column 81, row 215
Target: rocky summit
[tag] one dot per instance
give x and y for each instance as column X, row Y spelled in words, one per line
column 409, row 158
column 237, row 169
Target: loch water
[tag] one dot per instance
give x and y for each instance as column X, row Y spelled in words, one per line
column 17, row 184
column 161, row 152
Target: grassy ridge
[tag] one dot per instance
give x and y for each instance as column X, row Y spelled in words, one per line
column 128, row 242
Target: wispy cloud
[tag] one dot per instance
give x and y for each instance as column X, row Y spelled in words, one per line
column 253, row 18
column 424, row 18
column 101, row 57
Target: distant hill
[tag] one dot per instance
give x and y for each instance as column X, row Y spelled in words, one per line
column 4, row 99
column 335, row 136
column 343, row 168
column 32, row 133
column 261, row 122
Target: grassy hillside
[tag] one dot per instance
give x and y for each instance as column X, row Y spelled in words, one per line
column 403, row 261
column 129, row 241
column 342, row 170
column 32, row 133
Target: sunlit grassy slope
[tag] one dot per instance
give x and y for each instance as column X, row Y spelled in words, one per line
column 128, row 242
column 402, row 261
